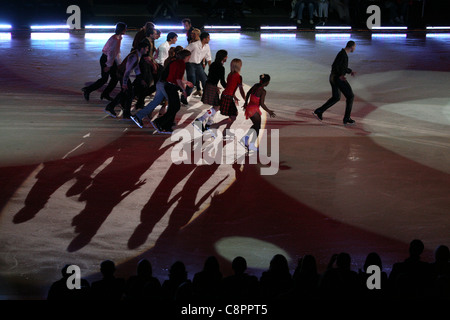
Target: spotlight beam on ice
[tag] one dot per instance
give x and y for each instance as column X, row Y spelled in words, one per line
column 257, row 253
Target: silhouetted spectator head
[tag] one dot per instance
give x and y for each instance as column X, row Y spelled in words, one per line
column 64, row 273
column 343, row 261
column 279, row 264
column 239, row 265
column 308, row 264
column 416, row 248
column 144, row 268
column 372, row 259
column 211, row 264
column 442, row 254
column 107, row 268
column 178, row 272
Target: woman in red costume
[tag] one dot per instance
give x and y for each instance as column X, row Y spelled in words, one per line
column 257, row 96
column 228, row 100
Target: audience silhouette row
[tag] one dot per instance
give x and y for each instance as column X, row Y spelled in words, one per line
column 409, row 279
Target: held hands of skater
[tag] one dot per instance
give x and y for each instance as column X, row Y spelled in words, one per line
column 353, row 73
column 188, row 84
column 272, row 114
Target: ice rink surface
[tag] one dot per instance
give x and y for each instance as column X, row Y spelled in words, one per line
column 80, row 187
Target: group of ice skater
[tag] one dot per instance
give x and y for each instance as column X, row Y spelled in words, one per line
column 169, row 69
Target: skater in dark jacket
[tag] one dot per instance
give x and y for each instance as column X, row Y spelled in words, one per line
column 340, row 84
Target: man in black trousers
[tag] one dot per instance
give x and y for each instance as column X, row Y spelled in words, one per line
column 126, row 94
column 109, row 61
column 340, row 84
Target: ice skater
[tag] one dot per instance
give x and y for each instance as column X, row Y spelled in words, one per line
column 188, row 28
column 228, row 99
column 174, row 82
column 160, row 95
column 340, row 84
column 142, row 34
column 126, row 94
column 163, row 50
column 211, row 93
column 255, row 98
column 109, row 61
column 195, row 68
